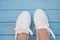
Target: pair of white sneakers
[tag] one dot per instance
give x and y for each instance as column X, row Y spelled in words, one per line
column 40, row 20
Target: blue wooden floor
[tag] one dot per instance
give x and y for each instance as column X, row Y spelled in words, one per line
column 10, row 9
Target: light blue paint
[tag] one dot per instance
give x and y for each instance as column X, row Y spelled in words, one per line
column 30, row 4
column 11, row 15
column 10, row 9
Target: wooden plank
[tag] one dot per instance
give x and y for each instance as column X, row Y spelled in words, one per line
column 30, row 38
column 8, row 28
column 30, row 4
column 11, row 15
column 6, row 37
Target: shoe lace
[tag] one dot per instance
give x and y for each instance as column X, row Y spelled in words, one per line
column 50, row 30
column 52, row 33
column 31, row 33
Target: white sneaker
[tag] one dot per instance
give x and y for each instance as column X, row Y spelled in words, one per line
column 41, row 21
column 23, row 23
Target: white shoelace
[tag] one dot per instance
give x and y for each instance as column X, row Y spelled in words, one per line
column 52, row 33
column 31, row 33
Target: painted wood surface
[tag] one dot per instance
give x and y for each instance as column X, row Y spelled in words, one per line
column 10, row 9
